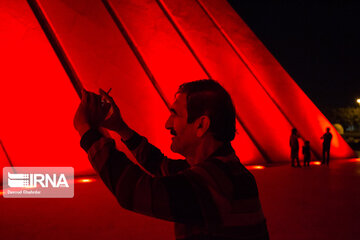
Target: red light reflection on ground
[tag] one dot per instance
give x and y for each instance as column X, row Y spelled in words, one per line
column 315, row 163
column 85, row 180
column 255, row 167
column 354, row 160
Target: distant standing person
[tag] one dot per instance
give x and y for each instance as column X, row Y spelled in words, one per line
column 306, row 153
column 294, row 145
column 326, row 147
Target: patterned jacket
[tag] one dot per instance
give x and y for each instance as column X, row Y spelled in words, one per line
column 216, row 199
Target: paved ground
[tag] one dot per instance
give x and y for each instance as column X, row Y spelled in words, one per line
column 312, row 203
column 307, row 203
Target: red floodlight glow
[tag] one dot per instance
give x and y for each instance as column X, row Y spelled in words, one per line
column 354, row 160
column 255, row 167
column 316, row 163
column 85, row 180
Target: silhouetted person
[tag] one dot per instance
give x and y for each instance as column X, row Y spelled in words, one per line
column 306, row 153
column 326, row 147
column 294, row 145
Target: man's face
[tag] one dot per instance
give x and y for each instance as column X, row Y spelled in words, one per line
column 184, row 137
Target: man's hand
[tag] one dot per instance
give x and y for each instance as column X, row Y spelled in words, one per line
column 114, row 120
column 91, row 112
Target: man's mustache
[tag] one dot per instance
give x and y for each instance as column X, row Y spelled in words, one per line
column 172, row 132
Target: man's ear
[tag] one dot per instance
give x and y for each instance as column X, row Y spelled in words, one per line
column 202, row 125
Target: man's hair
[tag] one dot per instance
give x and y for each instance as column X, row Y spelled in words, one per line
column 208, row 97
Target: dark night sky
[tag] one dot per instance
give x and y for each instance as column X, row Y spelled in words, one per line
column 317, row 42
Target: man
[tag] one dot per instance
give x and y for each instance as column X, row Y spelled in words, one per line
column 209, row 195
column 326, row 147
column 294, row 146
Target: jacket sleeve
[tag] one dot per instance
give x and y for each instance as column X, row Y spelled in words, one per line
column 152, row 159
column 171, row 198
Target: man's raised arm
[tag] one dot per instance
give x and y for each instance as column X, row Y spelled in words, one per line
column 170, row 198
column 102, row 111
